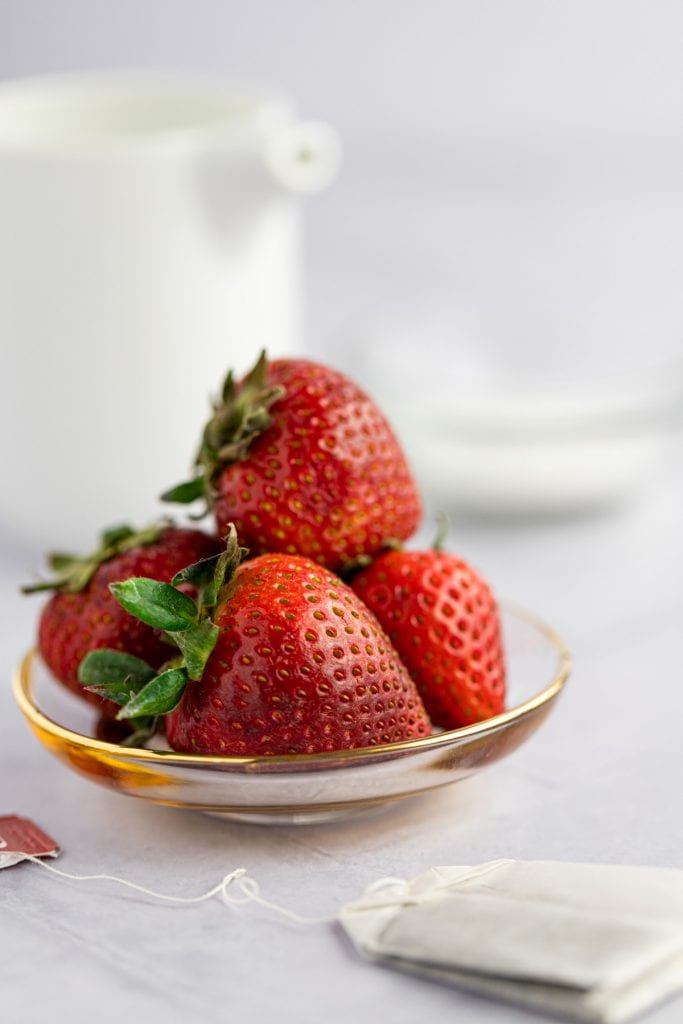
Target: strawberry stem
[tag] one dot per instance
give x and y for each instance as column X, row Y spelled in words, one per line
column 74, row 572
column 442, row 525
column 239, row 416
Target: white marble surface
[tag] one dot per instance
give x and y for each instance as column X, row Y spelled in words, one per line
column 600, row 782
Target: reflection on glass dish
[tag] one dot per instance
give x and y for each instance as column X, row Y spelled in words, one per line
column 298, row 789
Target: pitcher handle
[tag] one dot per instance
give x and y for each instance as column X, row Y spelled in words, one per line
column 304, row 157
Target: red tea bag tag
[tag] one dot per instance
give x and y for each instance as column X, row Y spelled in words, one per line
column 21, row 838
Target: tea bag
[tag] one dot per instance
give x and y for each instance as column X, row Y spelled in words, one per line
column 597, row 943
column 21, row 839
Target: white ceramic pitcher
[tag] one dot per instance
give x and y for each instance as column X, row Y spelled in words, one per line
column 149, row 239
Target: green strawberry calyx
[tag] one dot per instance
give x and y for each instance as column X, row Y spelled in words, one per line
column 355, row 565
column 72, row 573
column 352, row 566
column 143, row 693
column 240, row 414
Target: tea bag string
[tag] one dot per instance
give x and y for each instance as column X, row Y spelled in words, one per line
column 239, row 879
column 399, row 889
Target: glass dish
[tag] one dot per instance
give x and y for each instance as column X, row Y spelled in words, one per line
column 302, row 788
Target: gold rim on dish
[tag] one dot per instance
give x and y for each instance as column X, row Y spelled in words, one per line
column 23, row 693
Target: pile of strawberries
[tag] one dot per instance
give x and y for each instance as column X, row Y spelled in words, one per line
column 302, row 625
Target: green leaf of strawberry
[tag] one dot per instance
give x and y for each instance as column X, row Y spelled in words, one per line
column 186, row 623
column 145, row 727
column 158, row 604
column 158, row 697
column 186, row 493
column 211, row 574
column 59, row 561
column 114, row 674
column 196, row 645
column 115, row 535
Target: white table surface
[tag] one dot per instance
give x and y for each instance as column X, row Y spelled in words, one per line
column 601, row 781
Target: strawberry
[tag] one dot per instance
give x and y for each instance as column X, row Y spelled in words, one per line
column 443, row 620
column 83, row 615
column 303, row 462
column 278, row 657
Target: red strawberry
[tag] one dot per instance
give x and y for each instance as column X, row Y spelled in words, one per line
column 443, row 620
column 287, row 661
column 302, row 461
column 83, row 614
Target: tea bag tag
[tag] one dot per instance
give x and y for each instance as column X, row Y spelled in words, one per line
column 21, row 839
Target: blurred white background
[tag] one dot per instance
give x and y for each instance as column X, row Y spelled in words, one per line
column 511, row 201
column 521, row 159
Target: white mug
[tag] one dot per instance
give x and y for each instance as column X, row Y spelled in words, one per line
column 149, row 239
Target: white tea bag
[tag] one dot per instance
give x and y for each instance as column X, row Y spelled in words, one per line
column 595, row 943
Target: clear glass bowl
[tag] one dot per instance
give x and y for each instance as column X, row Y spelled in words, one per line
column 302, row 788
